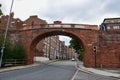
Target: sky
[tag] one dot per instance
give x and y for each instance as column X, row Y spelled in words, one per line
column 67, row 11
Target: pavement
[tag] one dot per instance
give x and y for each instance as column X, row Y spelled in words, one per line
column 17, row 67
column 25, row 66
column 105, row 72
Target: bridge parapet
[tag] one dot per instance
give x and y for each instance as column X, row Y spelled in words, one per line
column 78, row 26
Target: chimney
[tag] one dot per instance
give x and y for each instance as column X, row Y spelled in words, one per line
column 34, row 16
column 57, row 22
column 12, row 14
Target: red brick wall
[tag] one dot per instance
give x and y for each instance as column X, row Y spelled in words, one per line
column 34, row 20
column 80, row 35
column 69, row 54
column 109, row 46
column 107, row 42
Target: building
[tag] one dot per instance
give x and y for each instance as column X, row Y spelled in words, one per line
column 62, row 50
column 13, row 22
column 71, row 53
column 110, row 40
column 110, row 24
column 50, row 47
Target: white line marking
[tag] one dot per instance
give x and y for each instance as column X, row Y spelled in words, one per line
column 74, row 75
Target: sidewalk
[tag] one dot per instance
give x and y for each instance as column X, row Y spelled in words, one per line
column 25, row 66
column 17, row 67
column 97, row 71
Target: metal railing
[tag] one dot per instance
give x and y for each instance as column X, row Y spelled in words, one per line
column 13, row 62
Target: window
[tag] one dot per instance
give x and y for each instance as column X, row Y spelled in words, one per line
column 116, row 27
column 12, row 24
column 18, row 20
column 108, row 27
column 24, row 24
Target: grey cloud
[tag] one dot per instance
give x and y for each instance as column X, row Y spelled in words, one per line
column 89, row 11
column 112, row 6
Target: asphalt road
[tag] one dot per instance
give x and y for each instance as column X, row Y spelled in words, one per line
column 62, row 70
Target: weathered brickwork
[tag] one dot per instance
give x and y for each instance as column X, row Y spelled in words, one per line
column 107, row 40
column 80, row 35
column 109, row 43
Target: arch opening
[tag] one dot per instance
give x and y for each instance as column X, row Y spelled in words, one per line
column 39, row 38
column 53, row 33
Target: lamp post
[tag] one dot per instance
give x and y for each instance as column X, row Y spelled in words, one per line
column 6, row 31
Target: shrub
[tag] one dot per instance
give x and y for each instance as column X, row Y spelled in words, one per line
column 18, row 52
column 12, row 52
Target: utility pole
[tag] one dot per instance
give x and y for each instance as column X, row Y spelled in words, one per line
column 6, row 32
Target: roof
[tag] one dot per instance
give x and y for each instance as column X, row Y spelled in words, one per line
column 111, row 20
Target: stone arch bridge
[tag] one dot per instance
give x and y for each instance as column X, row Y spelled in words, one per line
column 87, row 35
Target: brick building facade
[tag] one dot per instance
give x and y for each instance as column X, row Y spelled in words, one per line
column 109, row 42
column 13, row 22
column 52, row 48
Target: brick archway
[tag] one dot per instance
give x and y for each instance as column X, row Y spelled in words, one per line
column 54, row 33
column 33, row 36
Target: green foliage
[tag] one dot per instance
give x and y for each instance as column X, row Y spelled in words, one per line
column 81, row 54
column 18, row 52
column 77, row 47
column 7, row 49
column 0, row 12
column 11, row 51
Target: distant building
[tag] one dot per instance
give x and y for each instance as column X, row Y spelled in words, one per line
column 52, row 48
column 49, row 47
column 71, row 53
column 15, row 23
column 110, row 24
column 62, row 50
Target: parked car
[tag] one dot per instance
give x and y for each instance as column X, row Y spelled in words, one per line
column 73, row 59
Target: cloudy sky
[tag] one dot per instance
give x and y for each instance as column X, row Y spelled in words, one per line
column 68, row 11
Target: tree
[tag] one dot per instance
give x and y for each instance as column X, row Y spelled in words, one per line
column 18, row 52
column 12, row 52
column 77, row 47
column 0, row 12
column 8, row 48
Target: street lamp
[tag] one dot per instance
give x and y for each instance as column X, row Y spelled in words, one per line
column 3, row 46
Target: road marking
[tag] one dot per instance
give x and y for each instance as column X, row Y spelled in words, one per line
column 74, row 75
